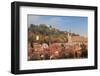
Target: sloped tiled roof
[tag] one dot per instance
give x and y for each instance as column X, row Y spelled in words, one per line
column 78, row 39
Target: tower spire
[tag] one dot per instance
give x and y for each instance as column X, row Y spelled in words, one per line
column 69, row 36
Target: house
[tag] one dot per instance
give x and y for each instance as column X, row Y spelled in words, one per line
column 76, row 39
column 79, row 39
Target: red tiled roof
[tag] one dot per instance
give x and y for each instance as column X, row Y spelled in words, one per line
column 78, row 39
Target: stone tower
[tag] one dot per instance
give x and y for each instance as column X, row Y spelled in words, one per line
column 69, row 37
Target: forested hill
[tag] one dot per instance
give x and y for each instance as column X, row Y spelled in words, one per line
column 47, row 33
column 46, row 30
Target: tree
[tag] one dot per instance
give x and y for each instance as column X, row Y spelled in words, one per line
column 84, row 50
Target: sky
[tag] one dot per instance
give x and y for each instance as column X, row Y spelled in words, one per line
column 74, row 24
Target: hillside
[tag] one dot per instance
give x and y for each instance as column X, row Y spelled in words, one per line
column 47, row 34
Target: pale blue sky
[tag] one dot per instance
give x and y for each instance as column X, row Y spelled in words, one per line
column 76, row 24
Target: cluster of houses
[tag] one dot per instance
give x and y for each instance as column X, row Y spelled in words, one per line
column 70, row 49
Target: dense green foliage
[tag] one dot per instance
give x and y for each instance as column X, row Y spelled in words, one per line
column 51, row 34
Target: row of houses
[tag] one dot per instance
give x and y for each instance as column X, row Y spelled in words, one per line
column 54, row 50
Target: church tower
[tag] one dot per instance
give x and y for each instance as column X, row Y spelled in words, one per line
column 69, row 37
